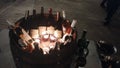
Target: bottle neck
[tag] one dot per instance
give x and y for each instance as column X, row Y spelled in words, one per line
column 84, row 35
column 67, row 26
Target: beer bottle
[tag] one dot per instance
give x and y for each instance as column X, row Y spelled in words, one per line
column 26, row 24
column 73, row 23
column 34, row 12
column 51, row 19
column 63, row 14
column 58, row 31
column 51, row 22
column 68, row 32
column 23, row 35
column 83, row 42
column 58, row 16
column 42, row 11
column 26, row 15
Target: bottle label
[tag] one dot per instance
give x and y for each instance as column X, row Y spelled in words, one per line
column 73, row 23
column 34, row 33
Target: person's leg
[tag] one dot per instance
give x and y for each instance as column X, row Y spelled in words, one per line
column 103, row 3
column 111, row 9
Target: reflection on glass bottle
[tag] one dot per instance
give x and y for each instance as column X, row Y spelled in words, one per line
column 83, row 45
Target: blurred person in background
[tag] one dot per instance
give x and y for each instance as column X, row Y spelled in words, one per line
column 103, row 3
column 111, row 8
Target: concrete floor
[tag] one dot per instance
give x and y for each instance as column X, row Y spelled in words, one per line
column 6, row 60
column 89, row 14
